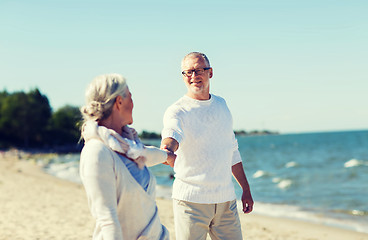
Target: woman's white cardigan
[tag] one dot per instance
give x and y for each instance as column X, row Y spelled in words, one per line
column 121, row 207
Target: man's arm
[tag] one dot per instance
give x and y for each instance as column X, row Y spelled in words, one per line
column 240, row 177
column 171, row 145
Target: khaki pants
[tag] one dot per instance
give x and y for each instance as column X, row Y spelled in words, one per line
column 194, row 220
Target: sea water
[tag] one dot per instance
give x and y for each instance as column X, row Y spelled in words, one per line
column 318, row 177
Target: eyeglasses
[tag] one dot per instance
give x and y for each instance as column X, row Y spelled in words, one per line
column 189, row 73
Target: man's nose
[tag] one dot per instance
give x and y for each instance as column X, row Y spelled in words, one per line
column 194, row 73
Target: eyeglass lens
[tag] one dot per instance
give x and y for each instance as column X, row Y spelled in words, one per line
column 189, row 73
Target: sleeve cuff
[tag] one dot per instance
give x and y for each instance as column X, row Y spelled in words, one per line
column 236, row 157
column 170, row 133
column 154, row 155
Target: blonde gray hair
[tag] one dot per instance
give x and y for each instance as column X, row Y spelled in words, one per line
column 101, row 94
column 197, row 54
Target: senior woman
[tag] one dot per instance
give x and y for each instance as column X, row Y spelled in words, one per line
column 113, row 165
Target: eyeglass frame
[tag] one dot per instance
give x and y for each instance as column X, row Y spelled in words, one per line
column 194, row 71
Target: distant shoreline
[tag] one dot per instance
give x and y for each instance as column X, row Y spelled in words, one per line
column 147, row 136
column 255, row 133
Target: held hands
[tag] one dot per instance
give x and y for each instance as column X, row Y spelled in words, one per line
column 170, row 156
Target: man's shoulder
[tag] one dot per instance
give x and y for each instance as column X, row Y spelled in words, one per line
column 177, row 105
column 217, row 98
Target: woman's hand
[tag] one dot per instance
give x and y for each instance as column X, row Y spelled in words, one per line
column 170, row 157
column 170, row 145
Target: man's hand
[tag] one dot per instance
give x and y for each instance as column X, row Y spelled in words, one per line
column 247, row 201
column 170, row 157
column 239, row 174
column 170, row 145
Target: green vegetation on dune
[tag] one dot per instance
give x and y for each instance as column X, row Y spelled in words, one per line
column 27, row 121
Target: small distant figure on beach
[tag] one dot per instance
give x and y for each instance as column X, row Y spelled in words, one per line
column 113, row 165
column 199, row 128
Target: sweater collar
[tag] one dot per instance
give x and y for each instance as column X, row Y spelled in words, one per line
column 202, row 102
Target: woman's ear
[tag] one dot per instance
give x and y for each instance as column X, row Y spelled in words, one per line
column 119, row 101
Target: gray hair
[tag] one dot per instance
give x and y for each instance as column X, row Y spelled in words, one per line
column 101, row 94
column 197, row 54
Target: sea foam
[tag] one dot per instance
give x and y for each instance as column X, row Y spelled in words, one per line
column 295, row 212
column 68, row 171
column 353, row 163
column 283, row 184
column 291, row 164
column 259, row 173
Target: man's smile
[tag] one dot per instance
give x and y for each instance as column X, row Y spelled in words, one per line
column 196, row 82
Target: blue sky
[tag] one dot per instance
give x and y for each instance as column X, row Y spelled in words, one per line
column 288, row 66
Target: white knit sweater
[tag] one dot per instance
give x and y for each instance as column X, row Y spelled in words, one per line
column 207, row 149
column 121, row 207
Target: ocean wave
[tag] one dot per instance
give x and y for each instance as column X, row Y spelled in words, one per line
column 353, row 212
column 284, row 184
column 67, row 171
column 276, row 179
column 291, row 164
column 260, row 173
column 354, row 163
column 295, row 212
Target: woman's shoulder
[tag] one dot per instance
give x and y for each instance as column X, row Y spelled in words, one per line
column 94, row 144
column 95, row 149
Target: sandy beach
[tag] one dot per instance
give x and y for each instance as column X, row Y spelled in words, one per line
column 35, row 205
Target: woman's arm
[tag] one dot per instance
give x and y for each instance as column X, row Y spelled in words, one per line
column 98, row 177
column 156, row 156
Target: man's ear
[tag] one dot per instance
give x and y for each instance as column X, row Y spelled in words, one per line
column 211, row 73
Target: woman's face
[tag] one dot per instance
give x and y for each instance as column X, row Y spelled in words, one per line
column 127, row 108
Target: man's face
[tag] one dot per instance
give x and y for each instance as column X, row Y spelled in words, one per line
column 198, row 84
